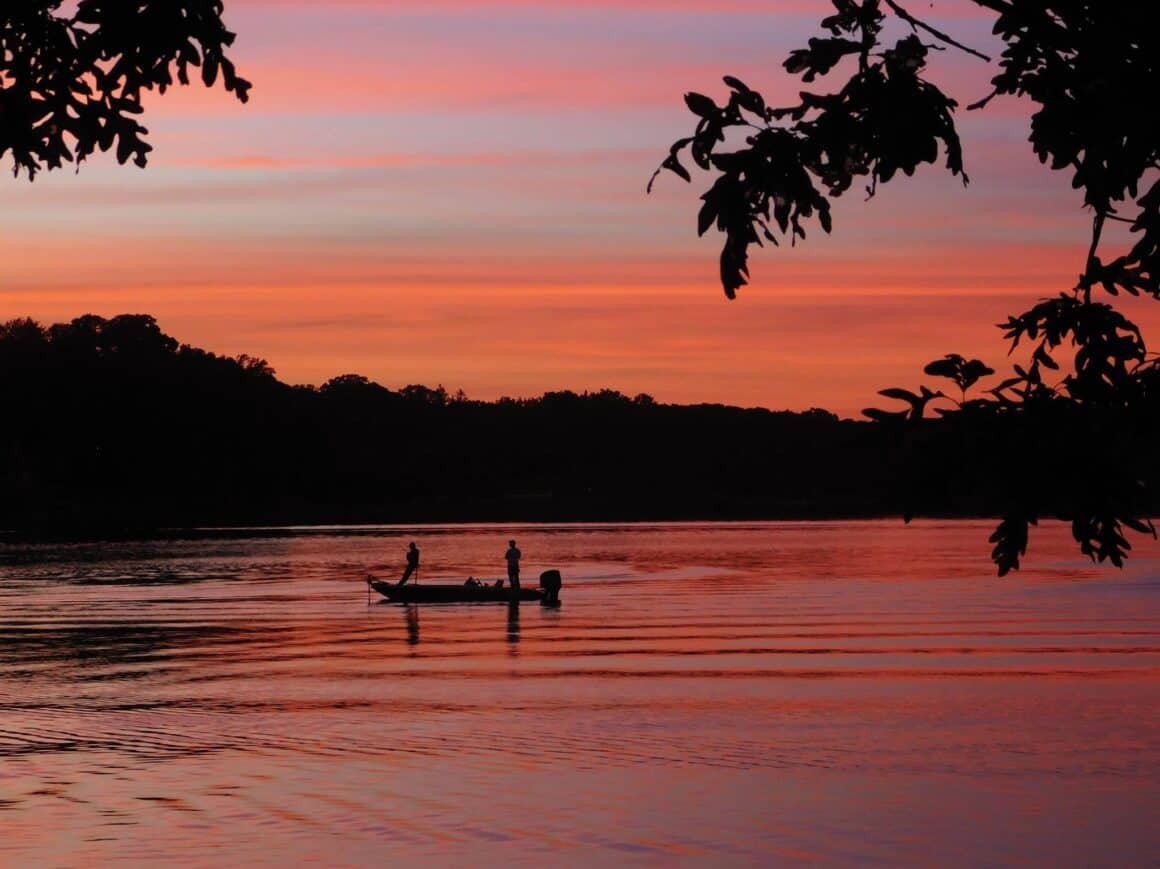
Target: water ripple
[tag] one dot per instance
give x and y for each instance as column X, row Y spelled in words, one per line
column 708, row 693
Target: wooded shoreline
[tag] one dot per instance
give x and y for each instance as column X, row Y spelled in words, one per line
column 114, row 428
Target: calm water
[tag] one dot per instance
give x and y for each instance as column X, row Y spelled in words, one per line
column 708, row 694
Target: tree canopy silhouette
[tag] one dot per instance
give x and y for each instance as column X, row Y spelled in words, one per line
column 1069, row 431
column 112, row 424
column 71, row 84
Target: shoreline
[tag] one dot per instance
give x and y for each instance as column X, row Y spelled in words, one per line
column 17, row 536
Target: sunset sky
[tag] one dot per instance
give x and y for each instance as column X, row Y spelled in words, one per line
column 454, row 192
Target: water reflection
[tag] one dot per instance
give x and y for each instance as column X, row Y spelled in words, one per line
column 109, row 644
column 741, row 695
column 513, row 627
column 412, row 624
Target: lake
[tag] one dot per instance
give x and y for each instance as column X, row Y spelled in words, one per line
column 724, row 694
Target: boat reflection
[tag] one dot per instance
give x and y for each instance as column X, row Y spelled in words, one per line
column 411, row 614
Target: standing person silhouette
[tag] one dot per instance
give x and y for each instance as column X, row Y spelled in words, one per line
column 412, row 562
column 513, row 564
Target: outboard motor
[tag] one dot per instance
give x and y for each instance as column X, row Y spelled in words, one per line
column 551, row 582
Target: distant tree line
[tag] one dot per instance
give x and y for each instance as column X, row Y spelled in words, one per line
column 111, row 424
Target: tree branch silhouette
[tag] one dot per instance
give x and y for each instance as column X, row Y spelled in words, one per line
column 1073, row 447
column 71, row 84
column 938, row 34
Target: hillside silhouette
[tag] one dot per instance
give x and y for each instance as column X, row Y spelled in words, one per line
column 110, row 424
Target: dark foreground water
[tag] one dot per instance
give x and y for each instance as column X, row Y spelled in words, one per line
column 708, row 694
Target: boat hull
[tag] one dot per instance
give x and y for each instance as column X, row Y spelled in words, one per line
column 427, row 593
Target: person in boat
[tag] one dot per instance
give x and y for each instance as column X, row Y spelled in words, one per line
column 513, row 565
column 412, row 562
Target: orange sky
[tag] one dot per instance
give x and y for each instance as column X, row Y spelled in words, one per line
column 453, row 192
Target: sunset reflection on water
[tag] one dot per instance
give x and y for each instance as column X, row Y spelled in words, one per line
column 733, row 694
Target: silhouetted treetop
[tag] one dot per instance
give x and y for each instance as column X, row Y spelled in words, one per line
column 71, row 84
column 132, row 335
column 349, row 382
column 420, row 394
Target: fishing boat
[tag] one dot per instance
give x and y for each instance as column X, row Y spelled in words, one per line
column 446, row 593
